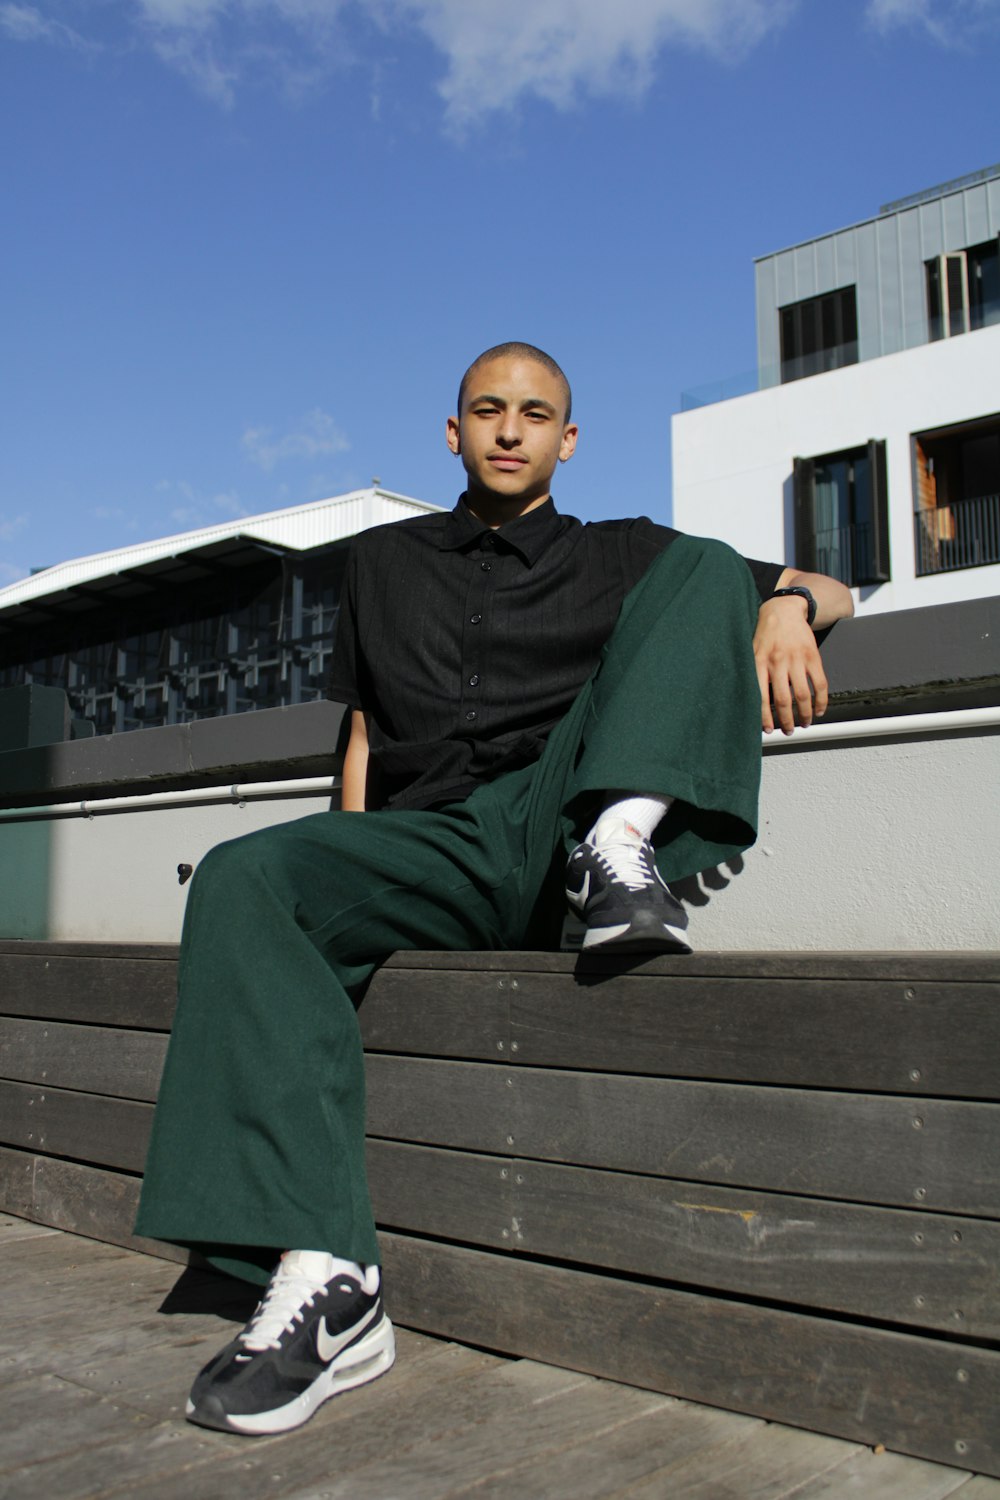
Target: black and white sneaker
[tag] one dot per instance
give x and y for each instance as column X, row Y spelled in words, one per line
column 621, row 896
column 314, row 1334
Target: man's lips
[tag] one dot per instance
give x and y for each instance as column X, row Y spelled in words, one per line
column 507, row 461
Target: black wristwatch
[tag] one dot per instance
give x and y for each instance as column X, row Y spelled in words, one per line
column 803, row 593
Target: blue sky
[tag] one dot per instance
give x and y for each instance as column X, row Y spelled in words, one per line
column 250, row 245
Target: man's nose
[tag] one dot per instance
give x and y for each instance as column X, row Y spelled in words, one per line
column 509, row 430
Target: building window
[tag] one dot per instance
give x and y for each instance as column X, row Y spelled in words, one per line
column 957, row 520
column 819, row 334
column 963, row 290
column 842, row 515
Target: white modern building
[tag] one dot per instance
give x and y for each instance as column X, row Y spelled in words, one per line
column 221, row 620
column 868, row 443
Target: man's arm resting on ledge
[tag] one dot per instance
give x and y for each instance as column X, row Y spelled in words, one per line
column 355, row 775
column 789, row 668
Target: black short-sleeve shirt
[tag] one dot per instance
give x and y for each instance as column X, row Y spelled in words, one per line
column 466, row 645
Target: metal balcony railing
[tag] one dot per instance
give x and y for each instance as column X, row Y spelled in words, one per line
column 844, row 552
column 964, row 534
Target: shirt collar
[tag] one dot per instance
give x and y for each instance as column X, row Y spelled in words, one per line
column 527, row 535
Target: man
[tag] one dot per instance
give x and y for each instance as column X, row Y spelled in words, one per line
column 540, row 711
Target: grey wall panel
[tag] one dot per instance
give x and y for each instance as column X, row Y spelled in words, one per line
column 826, row 264
column 890, row 301
column 931, row 230
column 845, row 250
column 977, row 215
column 993, row 206
column 805, row 272
column 768, row 348
column 953, row 211
column 912, row 281
column 869, row 325
column 786, row 285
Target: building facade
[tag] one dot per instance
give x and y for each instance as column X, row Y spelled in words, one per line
column 222, row 620
column 869, row 447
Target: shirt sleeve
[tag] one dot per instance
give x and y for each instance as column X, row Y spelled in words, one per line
column 765, row 576
column 343, row 678
column 657, row 537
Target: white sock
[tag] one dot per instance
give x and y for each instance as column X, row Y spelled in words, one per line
column 321, row 1267
column 641, row 813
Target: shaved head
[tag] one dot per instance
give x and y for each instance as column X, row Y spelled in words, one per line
column 516, row 351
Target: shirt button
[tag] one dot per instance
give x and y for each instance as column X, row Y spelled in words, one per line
column 474, row 619
column 474, row 680
column 486, row 566
column 471, row 715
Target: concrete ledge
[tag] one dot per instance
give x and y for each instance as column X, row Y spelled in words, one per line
column 275, row 744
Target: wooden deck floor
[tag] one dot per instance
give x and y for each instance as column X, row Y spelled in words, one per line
column 98, row 1346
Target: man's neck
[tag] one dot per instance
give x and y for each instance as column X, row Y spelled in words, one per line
column 496, row 510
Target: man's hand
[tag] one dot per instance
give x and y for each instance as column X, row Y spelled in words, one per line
column 789, row 668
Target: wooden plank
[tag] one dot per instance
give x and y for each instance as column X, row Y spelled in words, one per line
column 767, row 1464
column 877, row 1036
column 941, row 966
column 930, row 1271
column 45, row 1414
column 549, row 1417
column 19, row 947
column 82, row 1199
column 85, row 1127
column 858, row 1147
column 609, row 1464
column 883, row 1476
column 934, row 965
column 923, row 1396
column 105, row 990
column 90, row 1059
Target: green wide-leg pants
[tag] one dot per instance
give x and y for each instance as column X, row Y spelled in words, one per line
column 258, row 1138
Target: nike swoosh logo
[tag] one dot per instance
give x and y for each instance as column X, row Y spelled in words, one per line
column 329, row 1345
column 579, row 897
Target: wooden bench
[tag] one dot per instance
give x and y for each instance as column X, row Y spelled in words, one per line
column 763, row 1182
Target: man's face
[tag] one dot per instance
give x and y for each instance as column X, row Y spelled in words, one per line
column 512, row 432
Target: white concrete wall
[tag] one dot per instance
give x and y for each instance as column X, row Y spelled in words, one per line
column 732, row 462
column 871, row 844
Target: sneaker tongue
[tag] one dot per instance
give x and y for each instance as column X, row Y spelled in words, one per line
column 616, row 831
column 315, row 1265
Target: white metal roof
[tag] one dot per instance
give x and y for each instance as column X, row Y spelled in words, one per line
column 297, row 527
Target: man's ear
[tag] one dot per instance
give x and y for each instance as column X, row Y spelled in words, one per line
column 452, row 435
column 568, row 445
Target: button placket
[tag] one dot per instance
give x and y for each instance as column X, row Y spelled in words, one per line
column 472, row 639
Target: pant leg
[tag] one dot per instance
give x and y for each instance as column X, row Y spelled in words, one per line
column 673, row 708
column 258, row 1139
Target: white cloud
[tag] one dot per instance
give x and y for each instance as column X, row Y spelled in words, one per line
column 25, row 23
column 493, row 55
column 9, row 528
column 565, row 49
column 951, row 22
column 189, row 509
column 316, row 433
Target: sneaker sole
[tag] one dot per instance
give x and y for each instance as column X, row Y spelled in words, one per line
column 366, row 1360
column 628, row 939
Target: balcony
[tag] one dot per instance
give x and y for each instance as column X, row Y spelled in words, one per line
column 963, row 534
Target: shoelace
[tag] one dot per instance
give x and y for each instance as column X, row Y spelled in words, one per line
column 287, row 1296
column 627, row 863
